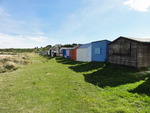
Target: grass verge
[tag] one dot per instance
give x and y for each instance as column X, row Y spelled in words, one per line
column 60, row 85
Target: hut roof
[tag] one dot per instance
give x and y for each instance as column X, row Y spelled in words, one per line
column 77, row 46
column 85, row 46
column 142, row 40
column 100, row 41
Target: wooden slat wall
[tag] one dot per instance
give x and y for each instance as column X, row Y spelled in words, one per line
column 124, row 57
column 143, row 56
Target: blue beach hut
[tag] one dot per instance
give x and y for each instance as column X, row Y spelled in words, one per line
column 66, row 52
column 100, row 50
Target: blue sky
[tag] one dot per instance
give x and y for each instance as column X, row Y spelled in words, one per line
column 32, row 23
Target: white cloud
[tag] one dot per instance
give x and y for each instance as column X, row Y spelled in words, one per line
column 23, row 41
column 8, row 41
column 39, row 39
column 139, row 5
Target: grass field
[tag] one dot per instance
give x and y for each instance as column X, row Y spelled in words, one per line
column 59, row 85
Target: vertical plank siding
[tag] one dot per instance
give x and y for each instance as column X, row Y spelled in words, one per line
column 73, row 53
column 143, row 56
column 84, row 53
column 128, row 52
column 102, row 46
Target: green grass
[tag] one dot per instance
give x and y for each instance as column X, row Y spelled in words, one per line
column 59, row 85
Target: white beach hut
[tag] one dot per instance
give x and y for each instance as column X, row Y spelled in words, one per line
column 84, row 53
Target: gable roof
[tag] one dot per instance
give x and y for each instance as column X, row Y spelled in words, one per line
column 85, row 46
column 142, row 40
column 100, row 41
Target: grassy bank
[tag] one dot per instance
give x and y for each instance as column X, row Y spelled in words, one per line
column 59, row 85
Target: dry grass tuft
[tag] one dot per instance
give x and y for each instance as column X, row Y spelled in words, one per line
column 10, row 65
column 12, row 62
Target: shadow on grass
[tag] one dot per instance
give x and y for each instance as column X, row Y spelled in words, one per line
column 67, row 61
column 87, row 66
column 143, row 88
column 112, row 75
column 104, row 74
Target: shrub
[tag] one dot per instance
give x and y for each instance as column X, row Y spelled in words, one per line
column 10, row 65
column 2, row 70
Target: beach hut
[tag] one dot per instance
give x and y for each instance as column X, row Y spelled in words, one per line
column 58, row 51
column 130, row 52
column 52, row 52
column 100, row 50
column 73, row 52
column 65, row 52
column 84, row 53
column 49, row 52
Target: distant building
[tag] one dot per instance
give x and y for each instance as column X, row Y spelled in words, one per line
column 130, row 52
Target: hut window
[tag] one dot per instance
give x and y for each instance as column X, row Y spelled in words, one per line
column 97, row 50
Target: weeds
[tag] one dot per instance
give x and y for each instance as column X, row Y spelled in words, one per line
column 13, row 61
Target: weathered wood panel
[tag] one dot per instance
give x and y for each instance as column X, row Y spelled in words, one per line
column 143, row 56
column 123, row 52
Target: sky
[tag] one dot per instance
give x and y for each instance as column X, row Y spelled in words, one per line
column 36, row 23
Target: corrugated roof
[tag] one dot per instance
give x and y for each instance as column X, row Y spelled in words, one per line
column 142, row 40
column 85, row 45
column 147, row 40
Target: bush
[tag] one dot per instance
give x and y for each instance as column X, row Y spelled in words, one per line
column 10, row 66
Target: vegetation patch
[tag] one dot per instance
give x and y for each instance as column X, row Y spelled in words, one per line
column 9, row 62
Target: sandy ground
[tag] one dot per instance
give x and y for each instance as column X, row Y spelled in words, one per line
column 4, row 56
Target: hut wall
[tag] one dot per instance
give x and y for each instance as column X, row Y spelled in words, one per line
column 123, row 52
column 64, row 52
column 143, row 56
column 67, row 53
column 100, row 51
column 58, row 51
column 73, row 54
column 84, row 54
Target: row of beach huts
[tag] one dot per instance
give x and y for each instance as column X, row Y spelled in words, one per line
column 126, row 51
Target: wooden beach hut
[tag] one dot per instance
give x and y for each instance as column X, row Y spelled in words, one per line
column 84, row 53
column 100, row 50
column 73, row 52
column 132, row 52
column 65, row 52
